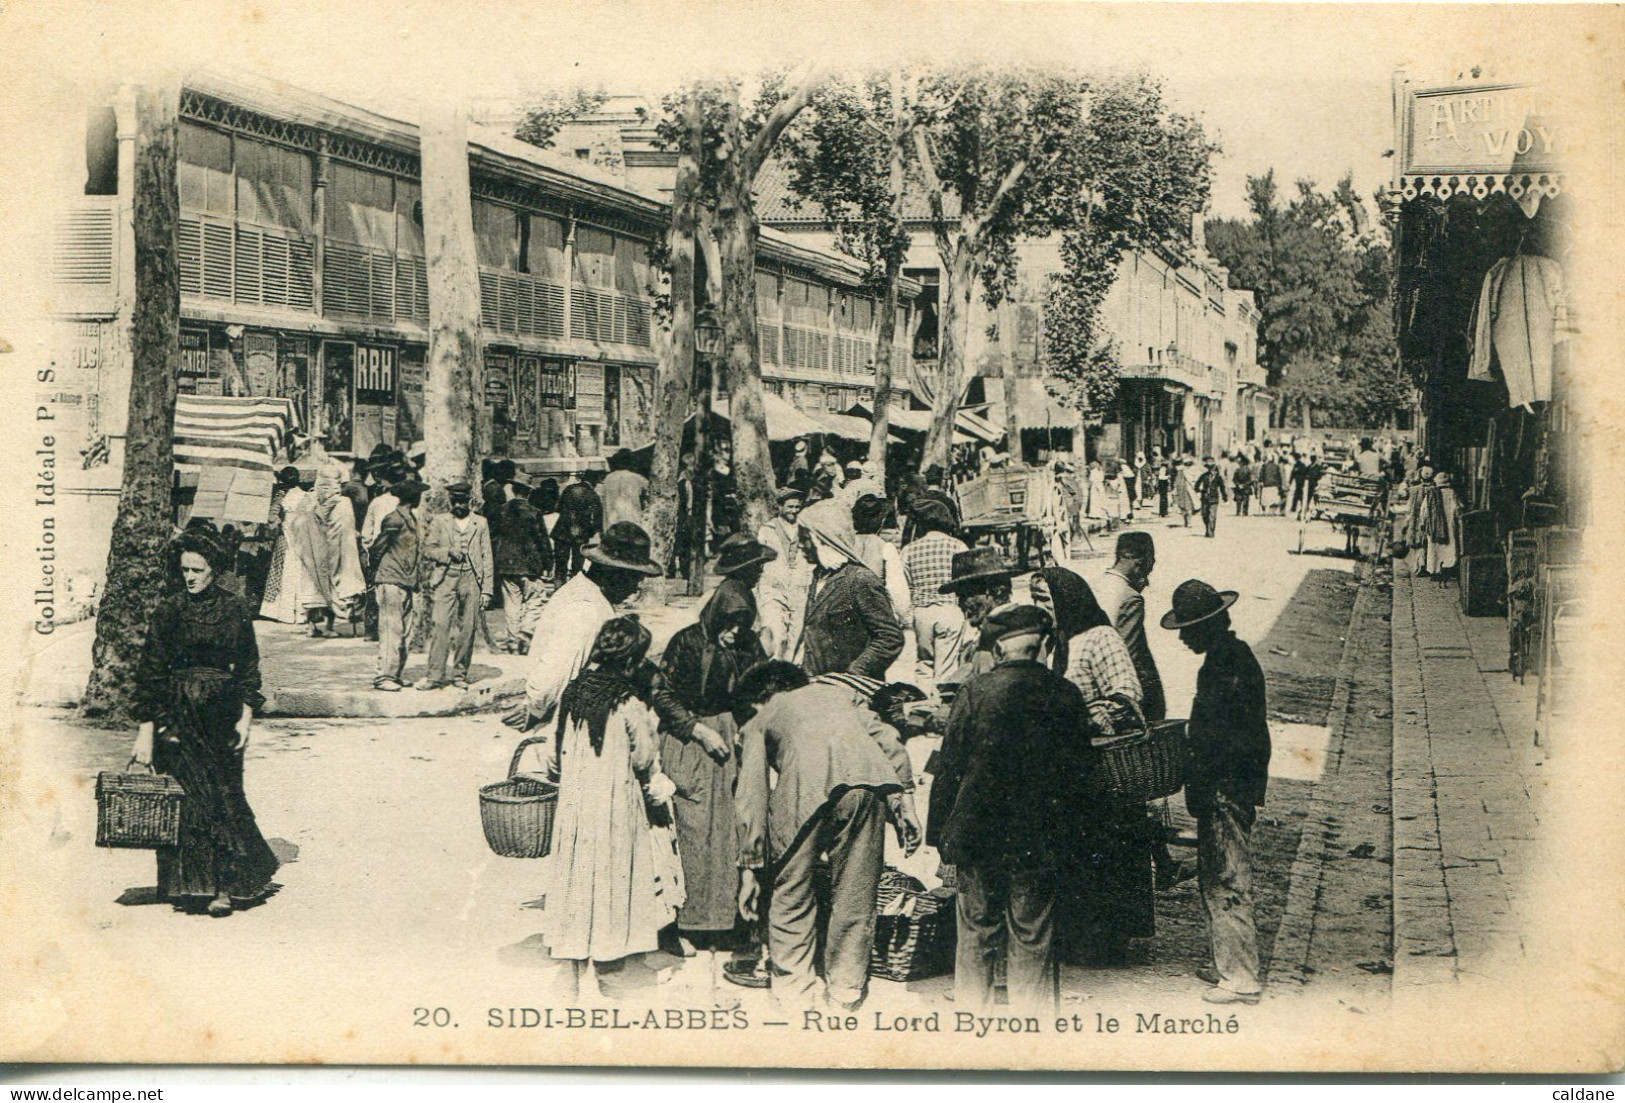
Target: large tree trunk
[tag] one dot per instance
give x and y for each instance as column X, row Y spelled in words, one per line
column 884, row 342
column 455, row 371
column 137, row 567
column 953, row 334
column 675, row 376
column 738, row 230
column 1008, row 324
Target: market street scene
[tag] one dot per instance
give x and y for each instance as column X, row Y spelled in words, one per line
column 929, row 543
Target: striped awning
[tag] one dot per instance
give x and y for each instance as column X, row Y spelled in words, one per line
column 218, row 431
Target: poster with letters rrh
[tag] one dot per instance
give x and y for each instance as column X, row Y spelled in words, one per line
column 1265, row 726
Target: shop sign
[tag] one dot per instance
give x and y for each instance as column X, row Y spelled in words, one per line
column 375, row 375
column 555, row 384
column 498, row 383
column 195, row 352
column 589, row 394
column 1481, row 129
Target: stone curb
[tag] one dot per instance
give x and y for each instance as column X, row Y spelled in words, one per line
column 1291, row 949
column 320, row 704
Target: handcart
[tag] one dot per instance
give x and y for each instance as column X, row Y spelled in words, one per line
column 1352, row 503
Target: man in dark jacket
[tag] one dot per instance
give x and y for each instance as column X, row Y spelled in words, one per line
column 1006, row 798
column 1226, row 774
column 1210, row 492
column 395, row 573
column 523, row 554
column 850, row 626
column 581, row 519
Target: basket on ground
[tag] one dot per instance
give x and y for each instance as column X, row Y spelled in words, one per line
column 517, row 814
column 915, row 930
column 139, row 811
column 1145, row 763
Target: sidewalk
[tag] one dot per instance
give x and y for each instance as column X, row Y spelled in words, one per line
column 305, row 677
column 1464, row 770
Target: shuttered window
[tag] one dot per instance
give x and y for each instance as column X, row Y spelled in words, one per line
column 273, row 186
column 82, row 249
column 204, row 170
column 496, row 235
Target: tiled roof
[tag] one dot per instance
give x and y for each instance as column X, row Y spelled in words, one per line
column 776, row 204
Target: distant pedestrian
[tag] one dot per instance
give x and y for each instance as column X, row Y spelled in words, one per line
column 1269, row 483
column 1241, row 484
column 396, row 566
column 1210, row 492
column 1185, row 500
column 523, row 556
column 1227, row 774
column 624, row 492
column 581, row 519
column 457, row 549
column 782, row 592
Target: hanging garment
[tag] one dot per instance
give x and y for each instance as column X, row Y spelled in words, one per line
column 1520, row 317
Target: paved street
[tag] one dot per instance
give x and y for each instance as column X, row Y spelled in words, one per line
column 378, row 824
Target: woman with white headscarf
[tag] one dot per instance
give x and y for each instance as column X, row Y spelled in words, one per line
column 850, row 626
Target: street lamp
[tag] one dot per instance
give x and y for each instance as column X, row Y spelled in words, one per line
column 707, row 338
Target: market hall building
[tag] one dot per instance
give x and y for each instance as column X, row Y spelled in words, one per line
column 303, row 275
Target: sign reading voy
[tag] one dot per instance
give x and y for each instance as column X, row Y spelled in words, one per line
column 1481, row 129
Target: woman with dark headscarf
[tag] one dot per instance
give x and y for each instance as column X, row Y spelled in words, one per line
column 702, row 665
column 197, row 686
column 1108, row 898
column 613, row 879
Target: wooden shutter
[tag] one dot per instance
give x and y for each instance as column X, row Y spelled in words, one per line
column 83, row 246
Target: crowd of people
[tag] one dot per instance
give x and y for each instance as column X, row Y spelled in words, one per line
column 731, row 796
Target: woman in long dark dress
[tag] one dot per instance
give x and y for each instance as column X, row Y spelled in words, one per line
column 198, row 685
column 702, row 664
column 1107, row 897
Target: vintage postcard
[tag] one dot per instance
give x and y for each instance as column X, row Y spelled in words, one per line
column 961, row 535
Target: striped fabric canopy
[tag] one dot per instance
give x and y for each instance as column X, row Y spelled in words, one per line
column 216, row 431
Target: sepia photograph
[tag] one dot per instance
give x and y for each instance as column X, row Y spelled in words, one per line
column 974, row 535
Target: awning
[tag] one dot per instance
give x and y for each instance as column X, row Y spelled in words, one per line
column 978, row 427
column 784, row 421
column 850, row 428
column 913, row 421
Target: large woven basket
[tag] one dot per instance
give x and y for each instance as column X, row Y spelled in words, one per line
column 1143, row 764
column 517, row 814
column 139, row 811
column 915, row 930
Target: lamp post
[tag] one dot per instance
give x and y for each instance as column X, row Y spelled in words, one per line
column 707, row 346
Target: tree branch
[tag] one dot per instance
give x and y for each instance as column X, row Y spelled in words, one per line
column 1006, row 186
column 933, row 191
column 783, row 113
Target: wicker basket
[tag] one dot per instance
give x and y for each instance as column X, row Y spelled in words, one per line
column 1144, row 764
column 139, row 811
column 517, row 814
column 915, row 930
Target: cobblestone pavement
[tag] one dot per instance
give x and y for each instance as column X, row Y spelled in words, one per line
column 1466, row 789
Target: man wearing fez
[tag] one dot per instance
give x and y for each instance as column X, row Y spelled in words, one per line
column 458, row 551
column 1226, row 774
column 1121, row 593
column 1006, row 799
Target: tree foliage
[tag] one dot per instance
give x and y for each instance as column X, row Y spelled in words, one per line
column 1144, row 173
column 550, row 112
column 1321, row 270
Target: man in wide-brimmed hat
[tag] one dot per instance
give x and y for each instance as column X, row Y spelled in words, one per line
column 1226, row 774
column 980, row 580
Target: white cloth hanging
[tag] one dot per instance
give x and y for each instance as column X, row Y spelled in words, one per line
column 1520, row 317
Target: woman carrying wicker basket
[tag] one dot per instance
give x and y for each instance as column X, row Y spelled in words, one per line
column 197, row 686
column 1109, row 897
column 613, row 879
